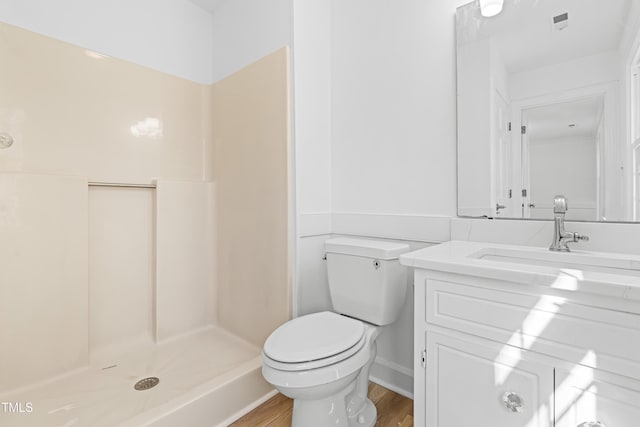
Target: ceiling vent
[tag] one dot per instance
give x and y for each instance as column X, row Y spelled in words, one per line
column 560, row 22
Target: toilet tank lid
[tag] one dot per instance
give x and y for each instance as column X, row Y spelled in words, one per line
column 379, row 249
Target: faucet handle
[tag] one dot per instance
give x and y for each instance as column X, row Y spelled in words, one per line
column 560, row 204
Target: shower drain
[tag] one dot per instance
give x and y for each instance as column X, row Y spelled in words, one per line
column 146, row 383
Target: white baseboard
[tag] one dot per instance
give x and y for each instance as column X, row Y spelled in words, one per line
column 393, row 377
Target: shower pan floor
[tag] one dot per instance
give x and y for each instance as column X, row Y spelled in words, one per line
column 104, row 395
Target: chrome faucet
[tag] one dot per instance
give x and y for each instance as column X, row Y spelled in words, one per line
column 560, row 236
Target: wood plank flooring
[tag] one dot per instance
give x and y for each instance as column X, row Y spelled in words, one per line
column 393, row 410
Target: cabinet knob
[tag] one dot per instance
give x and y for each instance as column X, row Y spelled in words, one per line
column 591, row 424
column 513, row 402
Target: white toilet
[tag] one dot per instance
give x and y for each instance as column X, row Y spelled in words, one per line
column 322, row 360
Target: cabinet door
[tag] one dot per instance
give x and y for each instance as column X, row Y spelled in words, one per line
column 586, row 396
column 473, row 382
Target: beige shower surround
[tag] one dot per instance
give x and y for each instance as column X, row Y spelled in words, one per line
column 72, row 112
column 251, row 134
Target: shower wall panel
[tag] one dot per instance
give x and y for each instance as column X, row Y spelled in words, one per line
column 121, row 270
column 185, row 258
column 74, row 111
column 43, row 277
column 251, row 169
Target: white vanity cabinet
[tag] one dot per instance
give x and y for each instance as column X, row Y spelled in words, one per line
column 584, row 394
column 464, row 385
column 522, row 352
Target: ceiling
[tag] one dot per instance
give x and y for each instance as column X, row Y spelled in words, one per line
column 525, row 36
column 208, row 5
column 553, row 121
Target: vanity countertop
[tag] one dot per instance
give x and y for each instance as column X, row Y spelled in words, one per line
column 604, row 273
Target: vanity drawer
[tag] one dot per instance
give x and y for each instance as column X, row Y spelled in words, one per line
column 543, row 323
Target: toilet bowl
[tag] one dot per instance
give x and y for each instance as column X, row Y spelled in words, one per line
column 322, row 361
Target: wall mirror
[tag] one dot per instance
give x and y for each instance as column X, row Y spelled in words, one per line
column 549, row 103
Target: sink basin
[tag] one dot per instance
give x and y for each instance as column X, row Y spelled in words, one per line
column 602, row 273
column 588, row 262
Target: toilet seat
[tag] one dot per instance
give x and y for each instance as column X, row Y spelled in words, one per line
column 314, row 341
column 314, row 364
column 301, row 376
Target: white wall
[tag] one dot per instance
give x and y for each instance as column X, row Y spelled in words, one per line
column 474, row 79
column 312, row 98
column 312, row 133
column 549, row 175
column 482, row 81
column 393, row 106
column 394, row 132
column 172, row 36
column 627, row 50
column 387, row 168
column 499, row 73
column 246, row 30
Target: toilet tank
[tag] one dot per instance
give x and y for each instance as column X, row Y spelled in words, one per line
column 366, row 281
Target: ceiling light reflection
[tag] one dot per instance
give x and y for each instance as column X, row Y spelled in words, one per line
column 95, row 55
column 150, row 127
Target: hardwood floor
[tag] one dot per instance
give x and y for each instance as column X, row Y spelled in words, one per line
column 274, row 412
column 393, row 410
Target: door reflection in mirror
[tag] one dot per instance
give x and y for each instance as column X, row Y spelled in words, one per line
column 546, row 109
column 562, row 146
